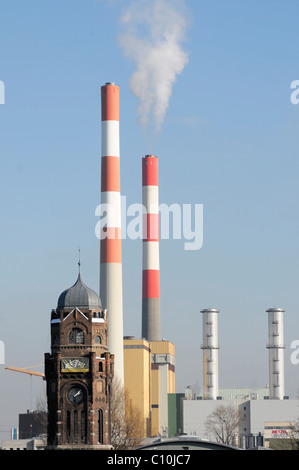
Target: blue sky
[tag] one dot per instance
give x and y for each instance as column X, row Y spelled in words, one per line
column 229, row 140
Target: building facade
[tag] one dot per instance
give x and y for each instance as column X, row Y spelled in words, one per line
column 260, row 419
column 267, row 416
column 79, row 372
column 149, row 378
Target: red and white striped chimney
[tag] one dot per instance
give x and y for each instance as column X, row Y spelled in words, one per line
column 150, row 247
column 111, row 252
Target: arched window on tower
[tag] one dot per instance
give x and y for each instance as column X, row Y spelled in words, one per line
column 76, row 336
column 100, row 426
column 83, row 426
column 68, row 426
column 75, row 414
column 98, row 339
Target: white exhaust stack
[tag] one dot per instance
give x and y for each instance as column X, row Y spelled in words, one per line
column 210, row 353
column 276, row 353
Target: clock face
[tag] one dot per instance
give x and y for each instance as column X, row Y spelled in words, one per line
column 75, row 394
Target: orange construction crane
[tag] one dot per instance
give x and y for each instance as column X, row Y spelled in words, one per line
column 25, row 371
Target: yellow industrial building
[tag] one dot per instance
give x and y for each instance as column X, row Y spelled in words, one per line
column 149, row 376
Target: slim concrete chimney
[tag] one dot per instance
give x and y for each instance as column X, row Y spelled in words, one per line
column 111, row 252
column 150, row 260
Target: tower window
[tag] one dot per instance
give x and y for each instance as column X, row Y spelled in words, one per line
column 98, row 339
column 68, row 426
column 100, row 426
column 76, row 426
column 76, row 336
column 83, row 426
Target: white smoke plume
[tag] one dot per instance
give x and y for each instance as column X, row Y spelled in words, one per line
column 154, row 31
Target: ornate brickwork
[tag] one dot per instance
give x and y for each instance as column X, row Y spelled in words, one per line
column 79, row 372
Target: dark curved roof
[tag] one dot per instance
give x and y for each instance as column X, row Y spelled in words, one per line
column 79, row 295
column 185, row 443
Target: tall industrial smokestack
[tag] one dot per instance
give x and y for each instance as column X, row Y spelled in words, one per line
column 210, row 353
column 150, row 261
column 111, row 253
column 276, row 353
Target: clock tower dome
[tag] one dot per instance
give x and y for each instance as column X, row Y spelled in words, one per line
column 79, row 372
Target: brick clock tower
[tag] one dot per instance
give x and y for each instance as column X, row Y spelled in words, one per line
column 79, row 372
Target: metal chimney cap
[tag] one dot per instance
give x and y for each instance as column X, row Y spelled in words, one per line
column 110, row 83
column 275, row 309
column 150, row 156
column 205, row 310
